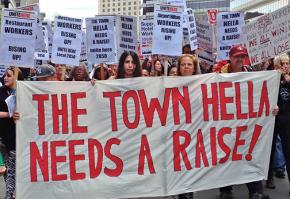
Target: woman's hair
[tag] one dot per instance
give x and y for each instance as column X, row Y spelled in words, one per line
column 162, row 68
column 170, row 68
column 98, row 70
column 121, row 70
column 284, row 57
column 15, row 71
column 194, row 61
column 73, row 72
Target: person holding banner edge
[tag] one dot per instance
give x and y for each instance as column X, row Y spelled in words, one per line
column 237, row 56
column 187, row 66
column 8, row 128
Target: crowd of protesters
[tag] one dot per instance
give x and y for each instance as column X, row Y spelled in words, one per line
column 129, row 66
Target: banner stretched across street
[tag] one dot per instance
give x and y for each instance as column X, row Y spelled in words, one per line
column 143, row 137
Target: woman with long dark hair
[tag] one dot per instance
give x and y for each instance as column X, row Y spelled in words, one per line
column 129, row 66
column 158, row 68
column 8, row 129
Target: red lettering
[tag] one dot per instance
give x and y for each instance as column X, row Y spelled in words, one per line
column 40, row 98
column 206, row 101
column 264, row 101
column 184, row 101
column 56, row 112
column 200, row 151
column 145, row 152
column 240, row 115
column 252, row 114
column 225, row 100
column 76, row 112
column 225, row 148
column 239, row 142
column 73, row 158
column 112, row 96
column 213, row 145
column 148, row 111
column 119, row 163
column 41, row 159
column 95, row 168
column 179, row 148
column 127, row 95
column 56, row 159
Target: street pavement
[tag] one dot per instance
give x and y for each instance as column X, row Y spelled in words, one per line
column 240, row 191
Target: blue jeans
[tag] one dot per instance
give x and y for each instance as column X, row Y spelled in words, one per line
column 279, row 160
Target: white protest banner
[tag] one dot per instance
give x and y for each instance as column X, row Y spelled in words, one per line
column 143, row 137
column 191, row 25
column 67, row 40
column 84, row 55
column 18, row 33
column 2, row 70
column 39, row 43
column 185, row 37
column 268, row 36
column 46, row 24
column 44, row 54
column 167, row 32
column 205, row 41
column 101, row 39
column 126, row 30
column 146, row 35
column 229, row 32
column 181, row 3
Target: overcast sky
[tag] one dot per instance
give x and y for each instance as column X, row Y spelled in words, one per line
column 69, row 8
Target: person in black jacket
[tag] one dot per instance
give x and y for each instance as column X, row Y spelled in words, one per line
column 8, row 131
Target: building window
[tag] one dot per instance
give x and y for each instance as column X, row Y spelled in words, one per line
column 119, row 9
column 108, row 9
column 129, row 3
column 135, row 3
column 104, row 10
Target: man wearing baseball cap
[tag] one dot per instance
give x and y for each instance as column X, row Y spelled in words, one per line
column 45, row 72
column 238, row 56
column 236, row 63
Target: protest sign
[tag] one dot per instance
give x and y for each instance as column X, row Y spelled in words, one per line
column 205, row 41
column 39, row 43
column 47, row 26
column 84, row 55
column 181, row 3
column 18, row 33
column 101, row 39
column 170, row 135
column 2, row 70
column 67, row 41
column 268, row 36
column 146, row 35
column 126, row 30
column 43, row 54
column 167, row 32
column 212, row 16
column 191, row 25
column 229, row 32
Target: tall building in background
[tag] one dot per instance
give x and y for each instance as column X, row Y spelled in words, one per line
column 121, row 7
column 199, row 7
column 261, row 6
column 28, row 2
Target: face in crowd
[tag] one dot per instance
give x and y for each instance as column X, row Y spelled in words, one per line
column 145, row 73
column 158, row 66
column 172, row 71
column 187, row 65
column 129, row 65
column 285, row 65
column 79, row 73
column 11, row 75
